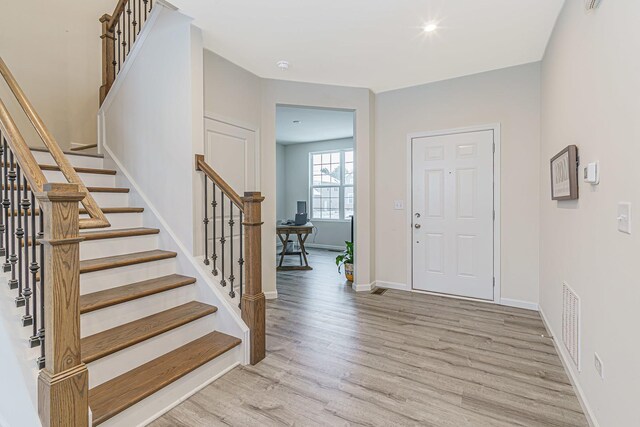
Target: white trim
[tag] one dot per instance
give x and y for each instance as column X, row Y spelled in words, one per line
column 391, row 285
column 242, row 125
column 495, row 127
column 366, row 287
column 321, row 246
column 567, row 363
column 271, row 294
column 527, row 305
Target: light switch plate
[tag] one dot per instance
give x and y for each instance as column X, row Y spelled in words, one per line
column 624, row 217
column 398, row 205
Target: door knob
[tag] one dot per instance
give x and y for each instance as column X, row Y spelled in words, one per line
column 417, row 226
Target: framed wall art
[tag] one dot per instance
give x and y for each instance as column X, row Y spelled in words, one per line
column 564, row 174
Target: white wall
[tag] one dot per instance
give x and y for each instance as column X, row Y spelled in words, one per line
column 511, row 97
column 328, row 234
column 54, row 50
column 160, row 159
column 590, row 87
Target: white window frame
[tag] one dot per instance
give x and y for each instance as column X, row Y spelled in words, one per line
column 341, row 186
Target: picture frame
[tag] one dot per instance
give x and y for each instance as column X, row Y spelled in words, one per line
column 564, row 174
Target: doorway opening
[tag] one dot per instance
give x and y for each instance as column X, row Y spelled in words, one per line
column 315, row 191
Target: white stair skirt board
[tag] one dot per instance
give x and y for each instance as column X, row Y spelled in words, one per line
column 118, row 363
column 44, row 158
column 113, row 277
column 567, row 363
column 157, row 404
column 89, row 179
column 90, row 249
column 120, row 314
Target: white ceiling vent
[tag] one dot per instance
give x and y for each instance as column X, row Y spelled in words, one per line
column 592, row 4
column 571, row 323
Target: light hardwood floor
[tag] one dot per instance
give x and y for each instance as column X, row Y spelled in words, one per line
column 335, row 357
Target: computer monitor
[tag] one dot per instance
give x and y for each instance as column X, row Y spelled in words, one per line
column 302, row 207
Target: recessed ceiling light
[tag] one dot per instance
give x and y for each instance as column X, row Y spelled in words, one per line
column 283, row 65
column 296, row 122
column 430, row 27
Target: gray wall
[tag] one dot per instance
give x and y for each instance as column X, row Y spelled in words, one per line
column 509, row 96
column 590, row 87
column 331, row 234
column 280, row 182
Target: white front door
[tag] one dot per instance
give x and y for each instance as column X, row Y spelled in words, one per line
column 453, row 217
column 231, row 152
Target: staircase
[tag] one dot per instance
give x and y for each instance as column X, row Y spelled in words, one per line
column 132, row 301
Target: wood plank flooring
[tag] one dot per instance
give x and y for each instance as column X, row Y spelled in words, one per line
column 339, row 358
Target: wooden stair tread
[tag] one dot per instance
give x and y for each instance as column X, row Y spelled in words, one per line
column 80, row 170
column 110, row 297
column 116, row 395
column 91, row 189
column 97, row 264
column 68, row 153
column 112, row 234
column 115, row 339
column 117, row 233
column 83, row 211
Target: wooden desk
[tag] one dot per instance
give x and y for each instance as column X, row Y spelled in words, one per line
column 302, row 231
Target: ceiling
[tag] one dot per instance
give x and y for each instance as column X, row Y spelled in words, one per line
column 377, row 44
column 316, row 124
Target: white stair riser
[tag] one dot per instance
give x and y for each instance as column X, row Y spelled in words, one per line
column 114, row 277
column 125, row 360
column 89, row 179
column 90, row 249
column 45, row 158
column 110, row 317
column 175, row 393
column 111, row 200
column 122, row 220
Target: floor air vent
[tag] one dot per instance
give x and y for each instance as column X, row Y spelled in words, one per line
column 379, row 291
column 571, row 323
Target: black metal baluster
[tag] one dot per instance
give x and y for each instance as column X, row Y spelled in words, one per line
column 145, row 8
column 150, row 5
column 241, row 260
column 214, row 256
column 129, row 26
column 41, row 334
column 27, row 319
column 223, row 282
column 118, row 42
column 205, row 221
column 13, row 258
column 3, row 228
column 124, row 39
column 6, row 203
column 34, row 340
column 19, row 237
column 135, row 22
column 232, row 278
column 114, row 63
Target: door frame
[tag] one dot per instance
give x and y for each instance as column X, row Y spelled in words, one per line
column 495, row 127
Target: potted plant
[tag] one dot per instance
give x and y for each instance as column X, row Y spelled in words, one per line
column 346, row 259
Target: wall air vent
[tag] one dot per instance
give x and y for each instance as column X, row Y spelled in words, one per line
column 592, row 4
column 571, row 323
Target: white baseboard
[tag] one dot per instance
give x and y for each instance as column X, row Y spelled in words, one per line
column 365, row 287
column 527, row 305
column 565, row 359
column 391, row 285
column 271, row 295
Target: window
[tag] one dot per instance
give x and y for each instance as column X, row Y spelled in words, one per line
column 331, row 189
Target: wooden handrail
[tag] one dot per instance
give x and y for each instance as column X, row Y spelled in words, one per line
column 204, row 167
column 119, row 10
column 28, row 163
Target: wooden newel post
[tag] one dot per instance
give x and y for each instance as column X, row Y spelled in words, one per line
column 63, row 387
column 253, row 301
column 108, row 57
